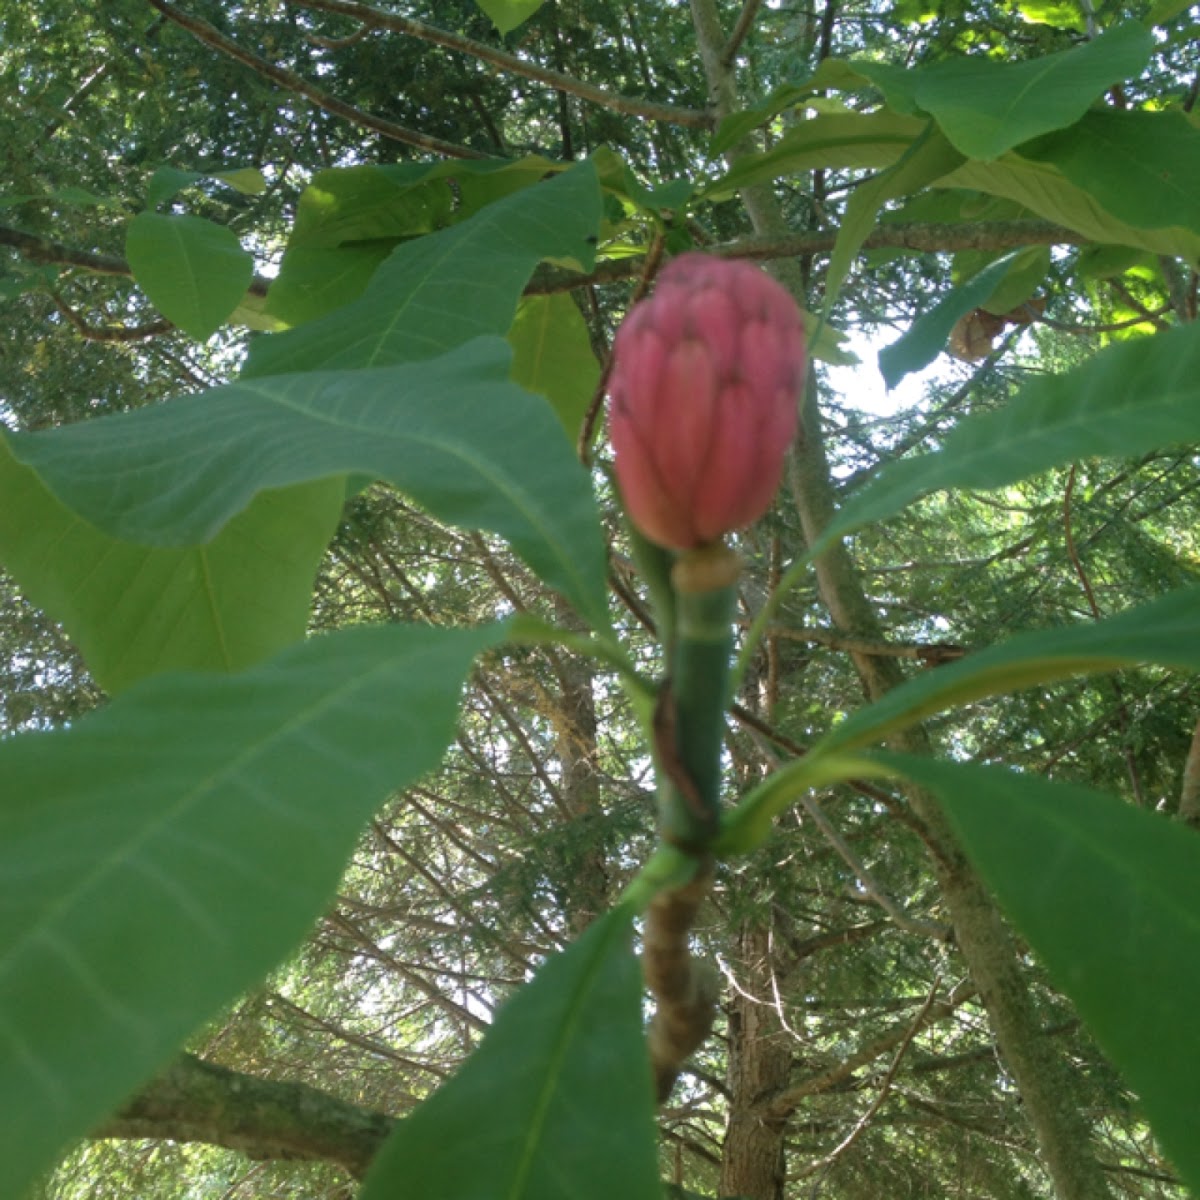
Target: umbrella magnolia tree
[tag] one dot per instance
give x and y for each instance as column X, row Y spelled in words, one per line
column 793, row 834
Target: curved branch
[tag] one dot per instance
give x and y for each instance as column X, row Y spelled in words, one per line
column 211, row 36
column 631, row 106
column 197, row 1101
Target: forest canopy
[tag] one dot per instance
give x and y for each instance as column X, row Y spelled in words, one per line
column 399, row 796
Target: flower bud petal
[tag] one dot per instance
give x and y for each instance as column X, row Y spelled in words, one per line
column 705, row 383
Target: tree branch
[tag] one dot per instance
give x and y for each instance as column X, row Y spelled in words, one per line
column 684, row 988
column 740, row 30
column 629, row 105
column 920, row 236
column 197, row 1101
column 108, row 333
column 211, row 36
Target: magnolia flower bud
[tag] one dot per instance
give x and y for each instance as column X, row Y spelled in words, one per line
column 705, row 385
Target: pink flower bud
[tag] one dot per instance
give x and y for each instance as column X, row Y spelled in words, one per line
column 705, row 386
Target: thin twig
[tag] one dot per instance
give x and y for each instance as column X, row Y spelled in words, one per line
column 629, row 105
column 929, row 929
column 886, row 1086
column 1131, row 769
column 926, row 237
column 108, row 333
column 211, row 36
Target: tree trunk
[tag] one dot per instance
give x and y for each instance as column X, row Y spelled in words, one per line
column 760, row 1059
column 1047, row 1086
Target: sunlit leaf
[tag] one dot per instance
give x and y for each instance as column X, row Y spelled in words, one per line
column 135, row 610
column 506, row 15
column 1143, row 167
column 553, row 355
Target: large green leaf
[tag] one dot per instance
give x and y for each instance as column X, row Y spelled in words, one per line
column 1144, row 167
column 349, row 205
column 1043, row 189
column 315, row 280
column 1165, row 632
column 438, row 291
column 553, row 355
column 452, row 432
column 135, row 610
column 195, row 272
column 1129, row 399
column 557, row 1101
column 986, row 107
column 876, row 140
column 1109, row 897
column 348, row 220
column 162, row 854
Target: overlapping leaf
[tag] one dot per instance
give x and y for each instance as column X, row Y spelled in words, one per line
column 553, row 356
column 986, row 107
column 555, row 1103
column 162, row 854
column 1129, row 399
column 134, row 610
column 435, row 292
column 1143, row 167
column 877, row 140
column 453, row 433
column 1109, row 897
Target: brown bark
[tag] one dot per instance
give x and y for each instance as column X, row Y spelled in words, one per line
column 196, row 1101
column 760, row 1060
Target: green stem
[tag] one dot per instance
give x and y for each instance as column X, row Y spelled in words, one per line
column 690, row 732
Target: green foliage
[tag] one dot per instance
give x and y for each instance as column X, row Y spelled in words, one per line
column 1129, row 399
column 194, row 271
column 557, row 1099
column 986, row 107
column 1108, row 896
column 921, row 344
column 161, row 857
column 134, row 610
column 142, row 837
column 450, row 431
column 432, row 295
column 508, row 14
column 553, row 356
column 1166, row 632
column 1142, row 167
